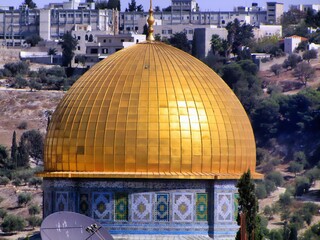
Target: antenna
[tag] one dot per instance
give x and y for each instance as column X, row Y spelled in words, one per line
column 72, row 226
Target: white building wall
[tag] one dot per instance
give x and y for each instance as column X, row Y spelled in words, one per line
column 45, row 24
column 291, row 43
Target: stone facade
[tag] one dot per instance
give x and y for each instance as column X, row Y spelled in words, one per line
column 149, row 207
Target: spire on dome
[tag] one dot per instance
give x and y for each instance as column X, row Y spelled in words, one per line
column 150, row 22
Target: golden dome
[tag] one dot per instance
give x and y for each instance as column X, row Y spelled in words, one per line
column 150, row 111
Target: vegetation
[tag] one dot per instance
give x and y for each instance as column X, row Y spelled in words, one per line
column 180, row 40
column 12, row 223
column 30, row 4
column 68, row 45
column 24, row 199
column 33, row 40
column 133, row 7
column 248, row 204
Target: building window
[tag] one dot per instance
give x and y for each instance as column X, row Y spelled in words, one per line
column 94, row 50
column 79, row 48
column 79, row 37
column 105, row 50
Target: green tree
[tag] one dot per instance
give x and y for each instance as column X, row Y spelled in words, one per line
column 239, row 35
column 261, row 191
column 3, row 213
column 275, row 177
column 312, row 18
column 68, row 45
column 304, row 72
column 12, row 223
column 180, row 40
column 102, row 4
column 34, row 85
column 302, row 185
column 295, row 167
column 4, row 180
column 52, row 51
column 133, row 7
column 33, row 141
column 216, row 44
column 310, row 54
column 24, row 198
column 3, row 155
column 114, row 4
column 34, row 209
column 30, row 4
column 17, row 68
column 35, row 181
column 276, row 69
column 23, row 155
column 268, row 212
column 285, row 200
column 34, row 221
column 33, row 40
column 292, row 61
column 248, row 203
column 14, row 149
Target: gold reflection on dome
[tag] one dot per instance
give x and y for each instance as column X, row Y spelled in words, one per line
column 150, row 111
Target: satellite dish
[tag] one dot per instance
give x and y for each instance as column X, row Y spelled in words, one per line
column 73, row 226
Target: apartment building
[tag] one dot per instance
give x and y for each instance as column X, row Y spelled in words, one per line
column 17, row 24
column 274, row 12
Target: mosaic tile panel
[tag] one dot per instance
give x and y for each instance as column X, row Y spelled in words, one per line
column 121, row 206
column 47, row 203
column 102, row 206
column 202, row 207
column 61, row 201
column 141, row 207
column 72, row 201
column 236, row 205
column 224, row 207
column 182, row 207
column 84, row 204
column 162, row 207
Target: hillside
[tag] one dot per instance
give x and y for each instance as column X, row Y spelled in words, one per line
column 19, row 106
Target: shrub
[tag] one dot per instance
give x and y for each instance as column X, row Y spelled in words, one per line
column 275, row 177
column 261, row 191
column 285, row 200
column 20, row 82
column 16, row 68
column 310, row 54
column 302, row 185
column 276, row 69
column 13, row 223
column 34, row 221
column 23, row 125
column 267, row 211
column 3, row 213
column 270, row 186
column 35, row 181
column 24, row 198
column 4, row 180
column 16, row 182
column 34, row 209
column 295, row 167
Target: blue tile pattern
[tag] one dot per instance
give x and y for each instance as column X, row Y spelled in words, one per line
column 162, row 207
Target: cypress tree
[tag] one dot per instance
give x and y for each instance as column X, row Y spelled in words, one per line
column 23, row 157
column 248, row 204
column 14, row 150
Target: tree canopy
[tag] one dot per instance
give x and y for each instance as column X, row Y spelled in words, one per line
column 68, row 45
column 248, row 204
column 180, row 40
